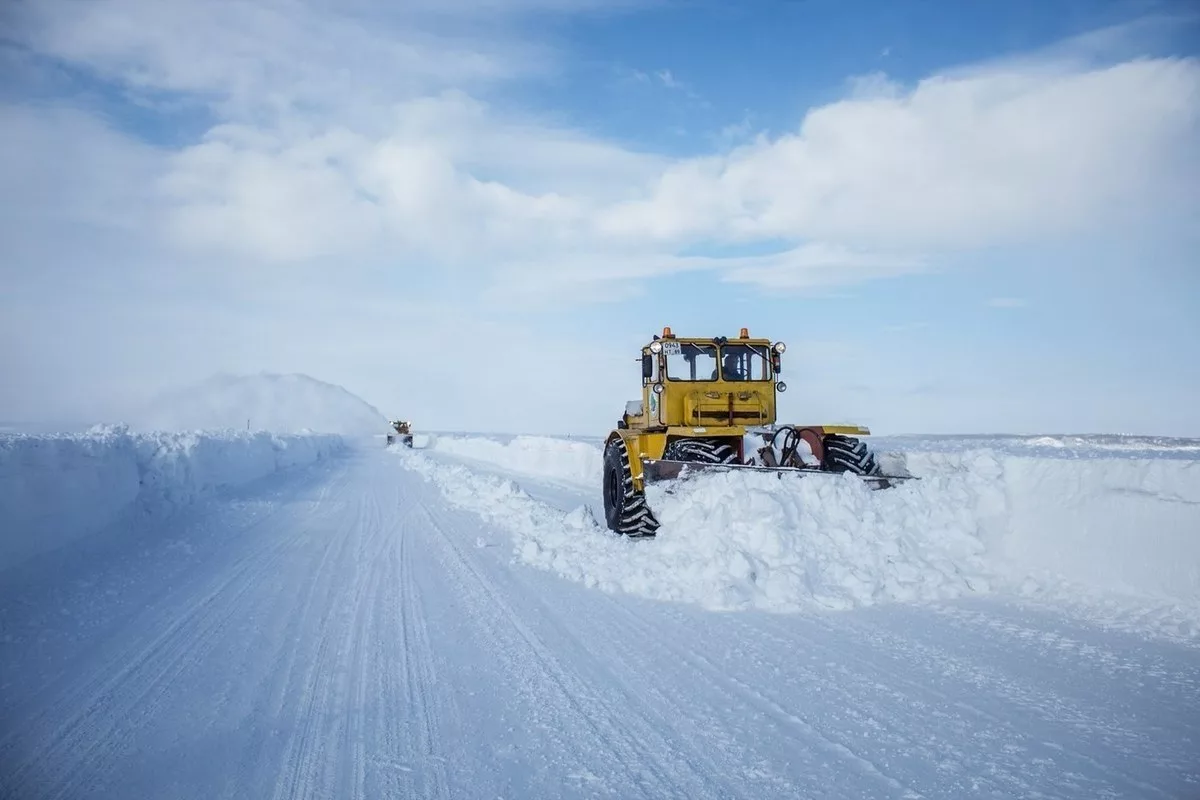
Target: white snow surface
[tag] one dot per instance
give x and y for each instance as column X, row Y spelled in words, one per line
column 342, row 631
column 293, row 403
column 1112, row 517
column 55, row 488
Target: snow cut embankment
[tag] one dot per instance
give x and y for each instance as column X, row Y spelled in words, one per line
column 999, row 515
column 1128, row 525
column 56, row 488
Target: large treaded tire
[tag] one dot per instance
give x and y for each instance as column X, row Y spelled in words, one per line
column 848, row 454
column 701, row 451
column 625, row 508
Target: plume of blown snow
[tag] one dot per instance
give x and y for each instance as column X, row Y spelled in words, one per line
column 275, row 403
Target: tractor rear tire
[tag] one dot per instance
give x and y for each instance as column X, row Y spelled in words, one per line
column 701, row 451
column 848, row 454
column 625, row 508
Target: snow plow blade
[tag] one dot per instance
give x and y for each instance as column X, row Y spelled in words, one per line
column 659, row 470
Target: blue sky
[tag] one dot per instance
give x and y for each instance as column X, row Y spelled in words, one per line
column 961, row 217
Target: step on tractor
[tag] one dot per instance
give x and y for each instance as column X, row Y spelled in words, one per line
column 710, row 404
column 403, row 433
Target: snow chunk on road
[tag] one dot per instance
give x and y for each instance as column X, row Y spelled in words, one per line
column 56, row 488
column 268, row 402
column 742, row 541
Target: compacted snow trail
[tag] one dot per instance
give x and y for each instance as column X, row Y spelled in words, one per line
column 342, row 632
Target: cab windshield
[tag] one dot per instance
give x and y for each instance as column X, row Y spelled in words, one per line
column 690, row 362
column 745, row 362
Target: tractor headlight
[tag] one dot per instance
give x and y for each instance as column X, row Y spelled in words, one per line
column 780, row 347
column 781, row 386
column 658, row 388
column 656, row 347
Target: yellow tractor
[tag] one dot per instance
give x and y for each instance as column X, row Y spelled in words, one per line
column 710, row 404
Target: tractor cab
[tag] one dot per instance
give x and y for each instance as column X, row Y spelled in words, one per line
column 719, row 382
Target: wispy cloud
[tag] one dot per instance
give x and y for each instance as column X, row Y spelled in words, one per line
column 814, row 266
column 667, row 79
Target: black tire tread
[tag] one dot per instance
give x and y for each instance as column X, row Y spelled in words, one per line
column 633, row 517
column 849, row 454
column 701, row 451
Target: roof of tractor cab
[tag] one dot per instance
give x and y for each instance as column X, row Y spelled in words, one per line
column 742, row 338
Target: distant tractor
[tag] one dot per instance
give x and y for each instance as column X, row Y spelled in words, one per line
column 710, row 404
column 403, row 433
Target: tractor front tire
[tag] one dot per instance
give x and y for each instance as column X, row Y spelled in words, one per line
column 848, row 454
column 625, row 508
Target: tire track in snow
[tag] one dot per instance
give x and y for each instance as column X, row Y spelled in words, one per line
column 936, row 664
column 634, row 754
column 703, row 734
column 384, row 767
column 717, row 676
column 420, row 678
column 354, row 737
column 100, row 713
column 1067, row 650
column 303, row 761
column 273, row 701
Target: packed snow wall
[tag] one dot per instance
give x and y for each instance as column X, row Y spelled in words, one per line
column 58, row 487
column 1115, row 515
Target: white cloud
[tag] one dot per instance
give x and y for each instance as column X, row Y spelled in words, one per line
column 313, row 159
column 968, row 162
column 269, row 58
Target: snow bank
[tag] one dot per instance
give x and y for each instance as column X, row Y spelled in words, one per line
column 559, row 459
column 740, row 541
column 264, row 402
column 1129, row 525
column 1032, row 515
column 56, row 488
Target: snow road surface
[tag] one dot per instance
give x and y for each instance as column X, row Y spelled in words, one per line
column 363, row 628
